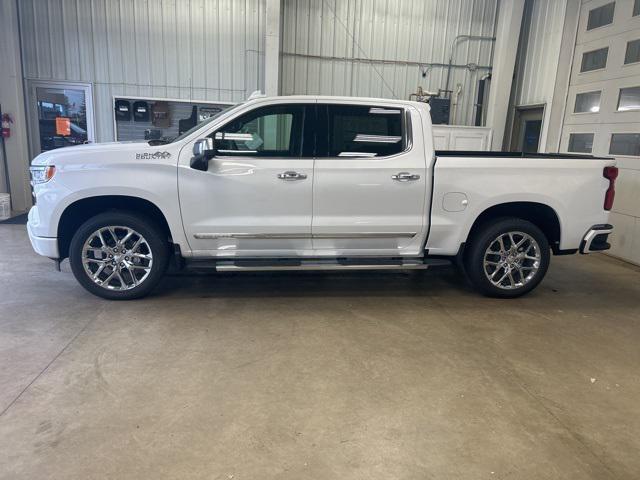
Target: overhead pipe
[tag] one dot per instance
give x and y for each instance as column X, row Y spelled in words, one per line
column 409, row 63
column 454, row 44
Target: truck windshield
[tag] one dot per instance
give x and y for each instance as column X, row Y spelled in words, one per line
column 196, row 127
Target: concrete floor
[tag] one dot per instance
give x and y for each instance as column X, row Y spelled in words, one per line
column 319, row 376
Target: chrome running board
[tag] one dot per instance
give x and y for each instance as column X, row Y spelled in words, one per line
column 266, row 268
column 319, row 264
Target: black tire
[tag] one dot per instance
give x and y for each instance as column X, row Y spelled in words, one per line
column 487, row 236
column 157, row 244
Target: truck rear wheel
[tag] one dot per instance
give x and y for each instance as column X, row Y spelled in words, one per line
column 118, row 255
column 507, row 258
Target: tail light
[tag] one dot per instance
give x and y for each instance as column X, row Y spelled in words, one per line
column 610, row 173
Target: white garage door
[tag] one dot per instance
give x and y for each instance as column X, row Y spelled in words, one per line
column 603, row 106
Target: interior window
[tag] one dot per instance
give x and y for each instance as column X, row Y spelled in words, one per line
column 274, row 131
column 365, row 131
column 625, row 144
column 636, row 8
column 581, row 142
column 594, row 60
column 587, row 102
column 632, row 55
column 601, row 16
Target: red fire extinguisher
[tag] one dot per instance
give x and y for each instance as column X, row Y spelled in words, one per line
column 6, row 125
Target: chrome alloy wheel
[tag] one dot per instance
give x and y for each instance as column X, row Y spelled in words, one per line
column 512, row 260
column 117, row 258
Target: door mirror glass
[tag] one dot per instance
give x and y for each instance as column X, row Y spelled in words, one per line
column 203, row 151
column 203, row 147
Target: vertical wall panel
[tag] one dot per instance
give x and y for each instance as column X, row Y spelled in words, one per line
column 100, row 38
column 198, row 50
column 84, row 27
column 142, row 50
column 225, row 47
column 156, row 50
column 328, row 46
column 129, row 47
column 56, row 32
column 190, row 49
column 114, row 40
column 170, row 48
column 41, row 24
column 542, row 46
column 71, row 39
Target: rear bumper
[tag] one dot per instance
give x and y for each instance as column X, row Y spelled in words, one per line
column 595, row 240
column 45, row 246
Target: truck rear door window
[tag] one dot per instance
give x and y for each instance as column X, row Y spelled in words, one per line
column 365, row 131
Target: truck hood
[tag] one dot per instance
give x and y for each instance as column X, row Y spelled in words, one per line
column 93, row 153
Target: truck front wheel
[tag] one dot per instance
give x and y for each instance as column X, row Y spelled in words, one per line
column 507, row 258
column 118, row 255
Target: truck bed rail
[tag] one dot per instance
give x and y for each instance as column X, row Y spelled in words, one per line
column 484, row 153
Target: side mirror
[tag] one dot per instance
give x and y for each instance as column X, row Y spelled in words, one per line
column 203, row 151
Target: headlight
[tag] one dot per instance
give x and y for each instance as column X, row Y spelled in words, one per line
column 42, row 174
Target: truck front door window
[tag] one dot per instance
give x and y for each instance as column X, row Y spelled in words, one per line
column 264, row 132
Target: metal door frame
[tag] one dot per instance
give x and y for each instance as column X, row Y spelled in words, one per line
column 517, row 132
column 32, row 109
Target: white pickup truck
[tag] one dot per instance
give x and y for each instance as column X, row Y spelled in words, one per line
column 314, row 183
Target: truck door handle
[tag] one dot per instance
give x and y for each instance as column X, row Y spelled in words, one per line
column 405, row 177
column 291, row 175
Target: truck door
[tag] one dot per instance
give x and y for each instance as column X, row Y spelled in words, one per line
column 370, row 181
column 255, row 198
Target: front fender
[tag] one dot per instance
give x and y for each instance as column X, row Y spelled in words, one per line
column 45, row 219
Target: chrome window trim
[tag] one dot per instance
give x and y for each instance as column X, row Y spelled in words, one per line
column 269, row 236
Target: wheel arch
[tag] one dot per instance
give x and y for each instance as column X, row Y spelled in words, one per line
column 540, row 214
column 78, row 212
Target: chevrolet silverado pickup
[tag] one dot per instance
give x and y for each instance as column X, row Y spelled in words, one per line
column 314, row 183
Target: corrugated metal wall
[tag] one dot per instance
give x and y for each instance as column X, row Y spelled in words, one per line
column 545, row 20
column 322, row 37
column 187, row 49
